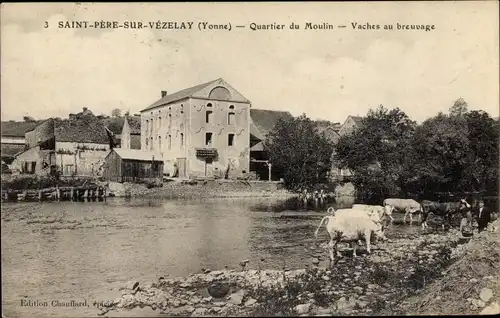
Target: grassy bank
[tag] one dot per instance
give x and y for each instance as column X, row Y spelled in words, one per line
column 33, row 182
column 470, row 286
column 397, row 278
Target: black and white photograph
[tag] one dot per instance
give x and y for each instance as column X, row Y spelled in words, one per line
column 249, row 159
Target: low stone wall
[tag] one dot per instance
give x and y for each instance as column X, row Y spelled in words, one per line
column 205, row 189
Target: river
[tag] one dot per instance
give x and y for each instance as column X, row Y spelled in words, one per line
column 87, row 250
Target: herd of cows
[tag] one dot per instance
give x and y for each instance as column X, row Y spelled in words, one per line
column 361, row 222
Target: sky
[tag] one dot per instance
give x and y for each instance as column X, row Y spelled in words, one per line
column 326, row 74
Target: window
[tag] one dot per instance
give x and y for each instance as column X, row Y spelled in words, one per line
column 151, row 144
column 69, row 169
column 230, row 115
column 159, row 122
column 230, row 140
column 169, row 120
column 230, row 118
column 182, row 140
column 147, row 126
column 208, row 139
column 169, row 142
column 159, row 143
column 147, row 139
column 208, row 117
column 182, row 109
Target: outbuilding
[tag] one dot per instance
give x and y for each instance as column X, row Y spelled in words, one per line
column 132, row 165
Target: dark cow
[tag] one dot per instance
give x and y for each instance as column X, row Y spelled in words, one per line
column 445, row 210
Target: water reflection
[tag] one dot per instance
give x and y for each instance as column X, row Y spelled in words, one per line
column 298, row 204
column 70, row 250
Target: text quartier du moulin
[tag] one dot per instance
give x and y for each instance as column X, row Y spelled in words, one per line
column 208, row 26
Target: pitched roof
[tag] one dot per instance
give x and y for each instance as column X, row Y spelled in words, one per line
column 263, row 121
column 330, row 133
column 185, row 93
column 115, row 124
column 135, row 154
column 17, row 128
column 85, row 128
column 10, row 150
column 357, row 119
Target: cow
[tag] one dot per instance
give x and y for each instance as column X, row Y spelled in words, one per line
column 380, row 210
column 408, row 206
column 350, row 225
column 445, row 210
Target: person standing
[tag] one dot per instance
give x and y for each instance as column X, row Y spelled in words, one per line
column 483, row 216
column 466, row 225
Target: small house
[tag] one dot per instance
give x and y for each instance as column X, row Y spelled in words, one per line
column 132, row 165
column 69, row 147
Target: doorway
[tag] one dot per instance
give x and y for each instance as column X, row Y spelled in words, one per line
column 208, row 166
column 181, row 166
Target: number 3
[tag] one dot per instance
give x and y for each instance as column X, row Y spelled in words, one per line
column 46, row 24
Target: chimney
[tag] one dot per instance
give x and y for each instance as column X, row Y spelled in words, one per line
column 85, row 109
column 163, row 94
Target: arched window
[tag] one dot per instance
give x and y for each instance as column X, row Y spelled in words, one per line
column 169, row 120
column 169, row 142
column 159, row 143
column 159, row 122
column 182, row 140
column 147, row 127
column 220, row 93
column 230, row 115
column 151, row 144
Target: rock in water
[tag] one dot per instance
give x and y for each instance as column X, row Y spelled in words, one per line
column 492, row 309
column 218, row 290
column 237, row 298
column 486, row 294
column 250, row 302
column 302, row 309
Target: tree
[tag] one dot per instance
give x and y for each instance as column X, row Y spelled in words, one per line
column 459, row 107
column 483, row 159
column 457, row 153
column 116, row 112
column 303, row 155
column 441, row 145
column 379, row 153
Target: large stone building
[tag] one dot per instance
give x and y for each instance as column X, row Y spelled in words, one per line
column 200, row 131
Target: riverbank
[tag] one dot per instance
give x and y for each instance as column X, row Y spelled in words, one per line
column 402, row 268
column 196, row 189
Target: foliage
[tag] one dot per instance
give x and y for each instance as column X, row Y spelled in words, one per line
column 116, row 112
column 391, row 155
column 296, row 149
column 378, row 152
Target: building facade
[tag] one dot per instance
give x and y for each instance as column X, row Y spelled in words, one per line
column 202, row 131
column 131, row 165
column 13, row 140
column 71, row 147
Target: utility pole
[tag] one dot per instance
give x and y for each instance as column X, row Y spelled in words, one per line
column 269, row 167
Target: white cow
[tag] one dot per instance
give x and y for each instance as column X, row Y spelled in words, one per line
column 378, row 209
column 350, row 225
column 408, row 206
